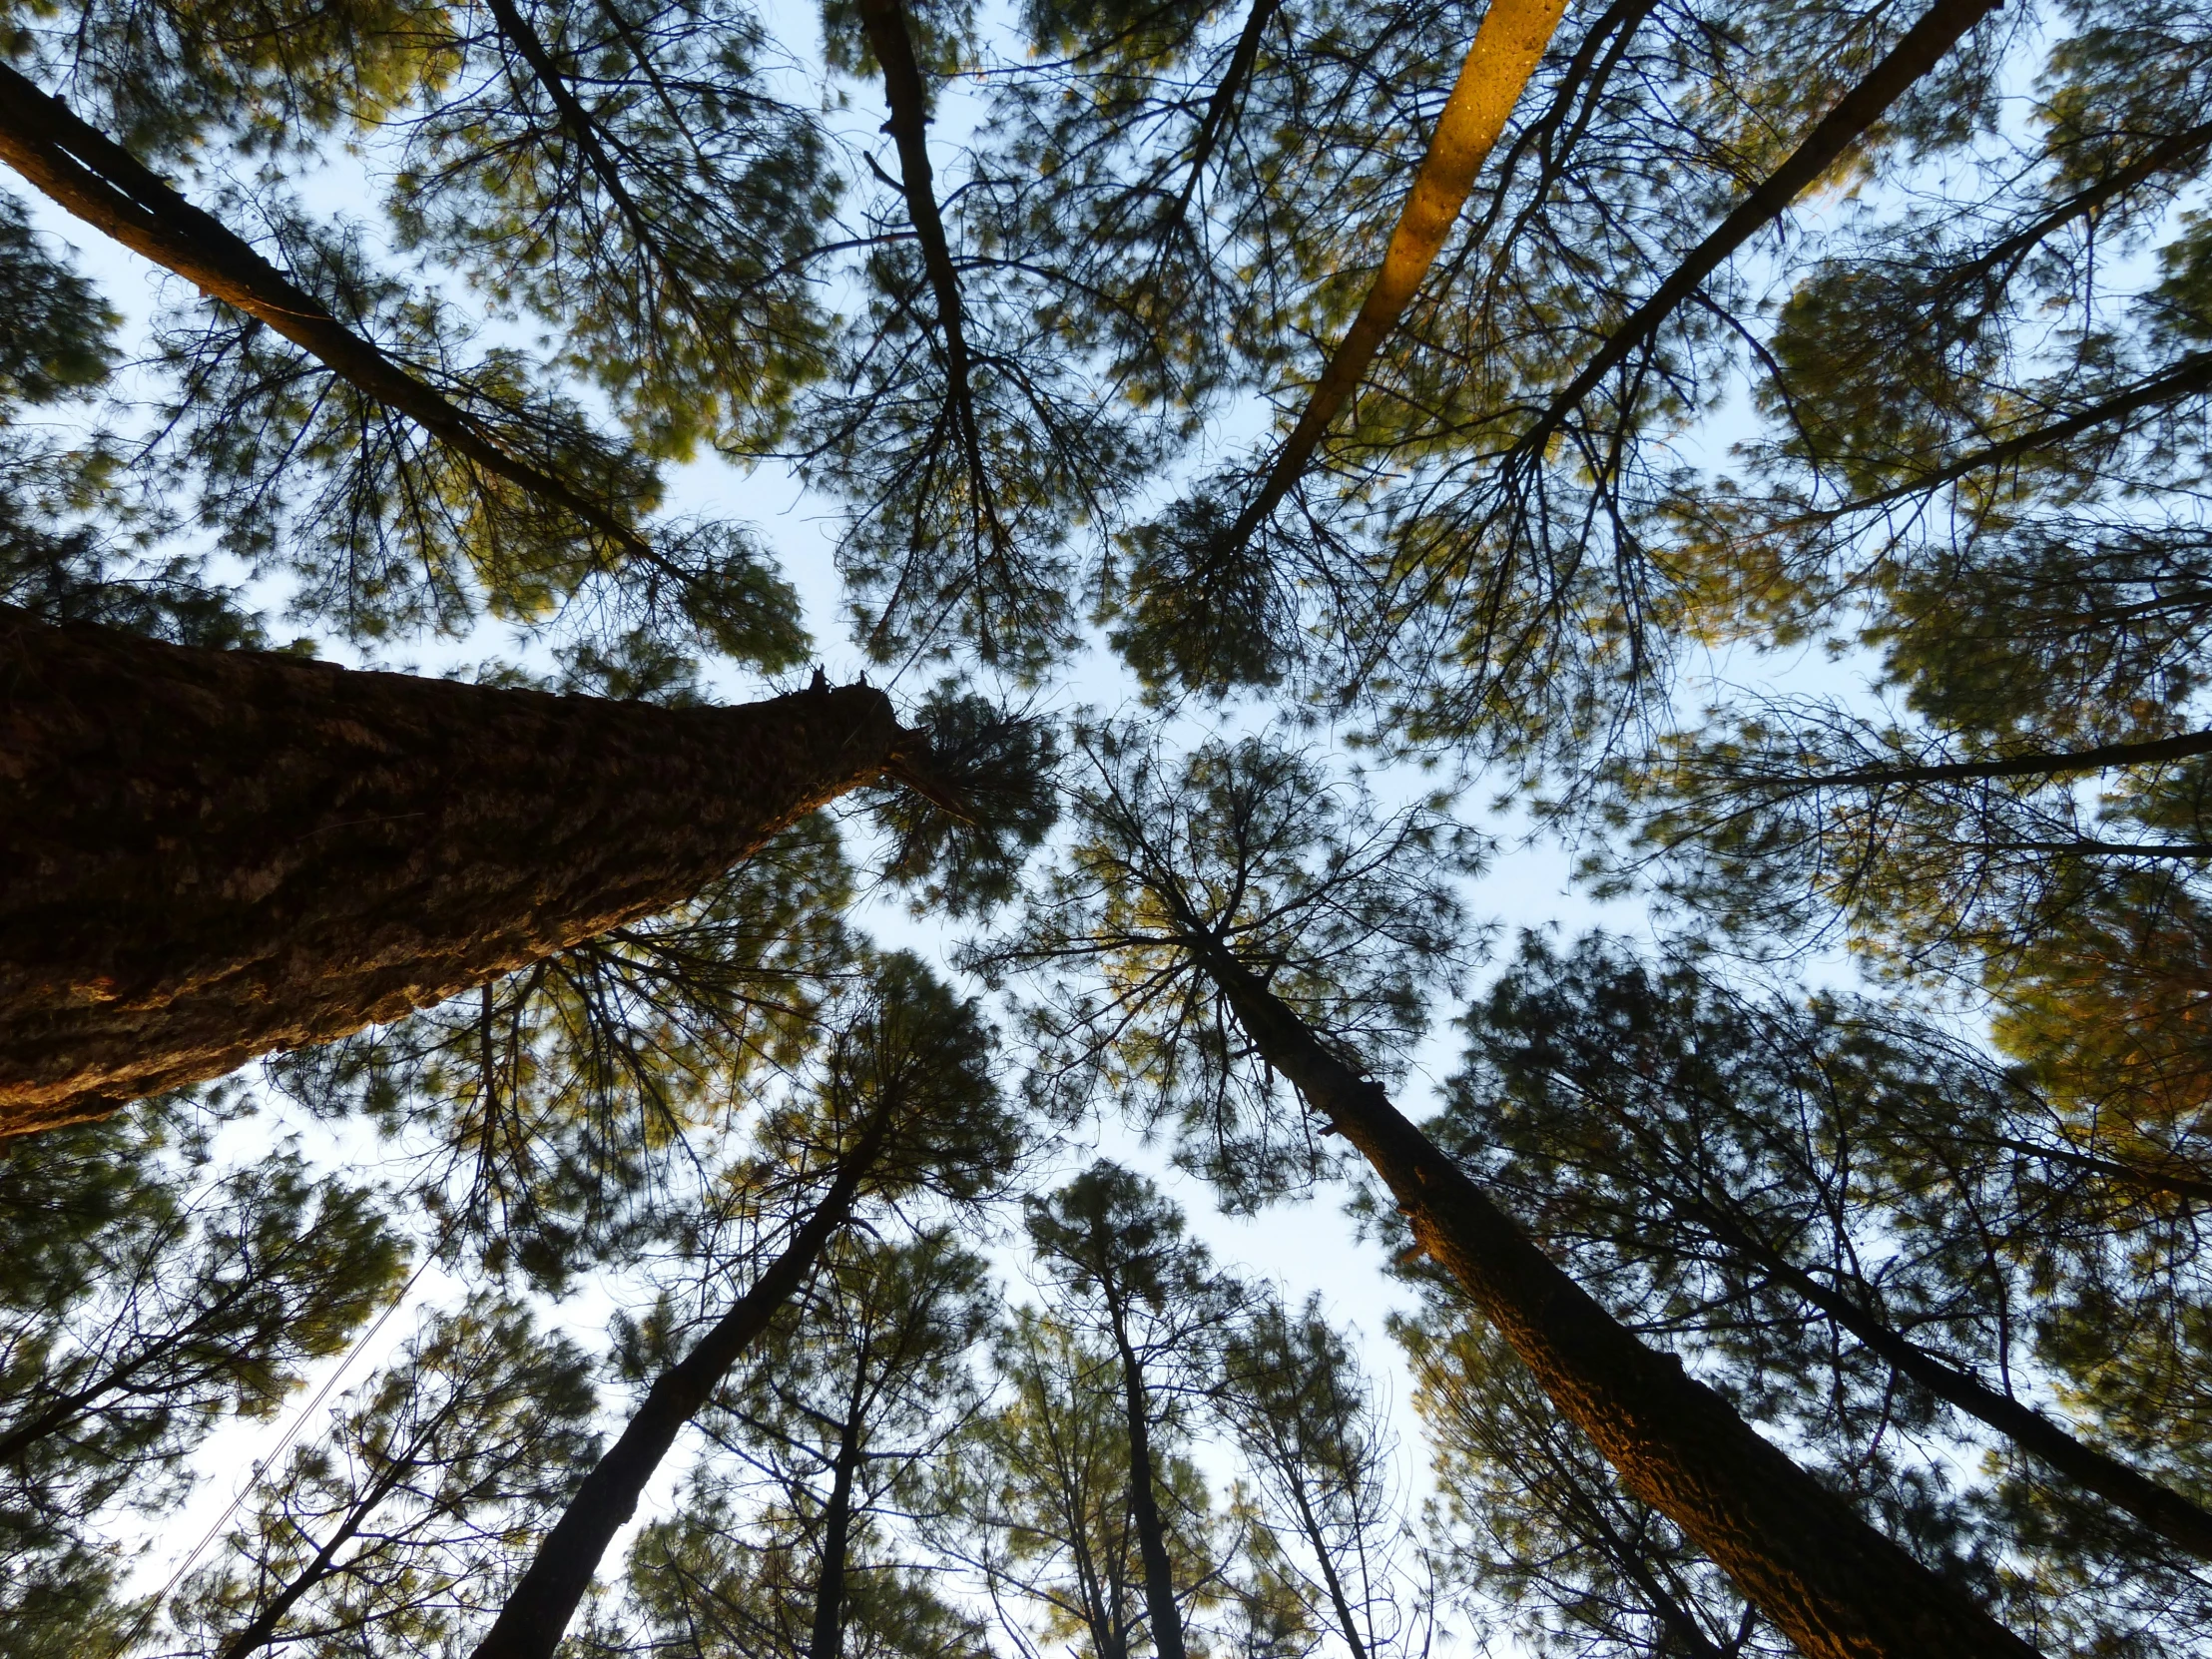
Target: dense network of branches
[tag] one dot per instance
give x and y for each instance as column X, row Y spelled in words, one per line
column 1309, row 471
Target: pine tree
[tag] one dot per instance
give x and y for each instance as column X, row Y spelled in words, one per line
column 839, row 1422
column 905, row 1104
column 1037, row 1502
column 1307, row 1426
column 1189, row 881
column 1865, row 1223
column 400, row 1522
column 145, row 1299
column 1116, row 1243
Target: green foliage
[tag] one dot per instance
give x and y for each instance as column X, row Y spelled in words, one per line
column 667, row 241
column 1688, row 1148
column 1311, row 1429
column 710, row 1583
column 1037, row 1499
column 1349, row 914
column 551, row 1107
column 990, row 802
column 1966, row 378
column 400, row 1524
column 1543, row 1544
column 56, row 334
column 833, row 1432
column 143, row 1298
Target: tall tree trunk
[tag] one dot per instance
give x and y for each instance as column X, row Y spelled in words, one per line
column 2045, row 763
column 1338, row 1602
column 1829, row 1582
column 88, row 174
column 884, row 24
column 2165, row 1512
column 1506, row 49
column 1922, row 46
column 828, row 1637
column 206, row 855
column 546, row 1597
column 1144, row 1507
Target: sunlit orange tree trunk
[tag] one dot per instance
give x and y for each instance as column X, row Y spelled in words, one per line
column 206, row 856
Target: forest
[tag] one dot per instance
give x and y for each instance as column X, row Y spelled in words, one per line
column 1105, row 829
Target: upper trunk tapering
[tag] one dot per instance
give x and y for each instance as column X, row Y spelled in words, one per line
column 206, row 856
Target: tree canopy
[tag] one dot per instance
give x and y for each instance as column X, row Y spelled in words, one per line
column 736, row 739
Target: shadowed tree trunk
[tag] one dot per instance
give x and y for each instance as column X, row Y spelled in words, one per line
column 546, row 1597
column 2045, row 763
column 1144, row 1506
column 826, row 1639
column 884, row 24
column 1829, row 1582
column 2165, row 1512
column 91, row 175
column 1917, row 51
column 206, row 856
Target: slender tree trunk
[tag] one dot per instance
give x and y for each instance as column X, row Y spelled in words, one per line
column 2145, row 1178
column 884, row 23
column 1144, row 1507
column 88, row 174
column 1923, row 44
column 1223, row 103
column 1829, row 1582
column 2185, row 377
column 836, row 1530
column 1337, row 1600
column 2165, row 1512
column 206, row 856
column 2045, row 763
column 1507, row 46
column 537, row 1612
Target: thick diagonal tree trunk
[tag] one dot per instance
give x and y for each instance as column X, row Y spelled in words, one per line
column 1834, row 1585
column 206, row 856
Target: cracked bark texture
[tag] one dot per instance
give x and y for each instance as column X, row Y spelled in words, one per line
column 208, row 855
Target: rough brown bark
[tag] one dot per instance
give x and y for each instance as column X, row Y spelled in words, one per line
column 1828, row 1581
column 546, row 1597
column 91, row 175
column 206, row 856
